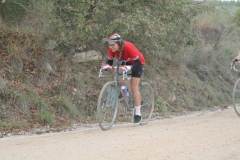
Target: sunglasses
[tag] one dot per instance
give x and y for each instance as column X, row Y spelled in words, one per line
column 111, row 45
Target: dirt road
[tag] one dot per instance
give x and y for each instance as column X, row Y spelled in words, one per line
column 206, row 136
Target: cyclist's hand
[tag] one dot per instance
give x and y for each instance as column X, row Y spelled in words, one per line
column 105, row 66
column 127, row 68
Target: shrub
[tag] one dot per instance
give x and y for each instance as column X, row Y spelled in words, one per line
column 65, row 107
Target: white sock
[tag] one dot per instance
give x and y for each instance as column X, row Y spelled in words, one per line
column 138, row 110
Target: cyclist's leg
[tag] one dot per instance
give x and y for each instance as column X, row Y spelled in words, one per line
column 135, row 80
column 120, row 80
column 136, row 74
column 135, row 90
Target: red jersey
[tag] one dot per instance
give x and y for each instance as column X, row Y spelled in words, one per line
column 130, row 53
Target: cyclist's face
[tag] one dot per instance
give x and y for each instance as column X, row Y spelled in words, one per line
column 113, row 46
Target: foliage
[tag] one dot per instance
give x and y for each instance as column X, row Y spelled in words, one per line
column 14, row 126
column 65, row 107
column 236, row 18
column 161, row 105
column 12, row 11
column 46, row 118
column 155, row 26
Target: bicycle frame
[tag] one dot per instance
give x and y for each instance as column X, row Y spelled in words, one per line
column 124, row 75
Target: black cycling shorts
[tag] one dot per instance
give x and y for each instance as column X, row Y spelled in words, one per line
column 136, row 71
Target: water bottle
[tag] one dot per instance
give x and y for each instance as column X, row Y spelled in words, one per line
column 125, row 91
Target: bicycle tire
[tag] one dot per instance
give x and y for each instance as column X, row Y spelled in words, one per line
column 107, row 106
column 236, row 97
column 147, row 102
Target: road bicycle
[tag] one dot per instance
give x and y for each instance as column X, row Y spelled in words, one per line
column 236, row 93
column 109, row 99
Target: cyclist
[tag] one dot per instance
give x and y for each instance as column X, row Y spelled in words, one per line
column 134, row 60
column 236, row 59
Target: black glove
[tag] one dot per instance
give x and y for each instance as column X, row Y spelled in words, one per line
column 236, row 60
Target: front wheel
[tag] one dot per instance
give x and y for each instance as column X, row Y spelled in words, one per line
column 236, row 97
column 147, row 102
column 107, row 105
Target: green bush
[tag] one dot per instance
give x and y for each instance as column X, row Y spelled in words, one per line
column 65, row 107
column 161, row 105
column 46, row 117
column 236, row 18
column 12, row 11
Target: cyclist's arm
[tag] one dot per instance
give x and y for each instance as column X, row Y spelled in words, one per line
column 110, row 62
column 111, row 56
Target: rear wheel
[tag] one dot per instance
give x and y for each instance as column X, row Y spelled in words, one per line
column 147, row 102
column 236, row 97
column 107, row 105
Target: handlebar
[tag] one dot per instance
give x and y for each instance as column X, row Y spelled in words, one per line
column 115, row 67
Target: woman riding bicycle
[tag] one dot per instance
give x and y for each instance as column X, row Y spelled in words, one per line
column 121, row 49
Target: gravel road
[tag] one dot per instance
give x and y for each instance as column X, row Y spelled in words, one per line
column 203, row 136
